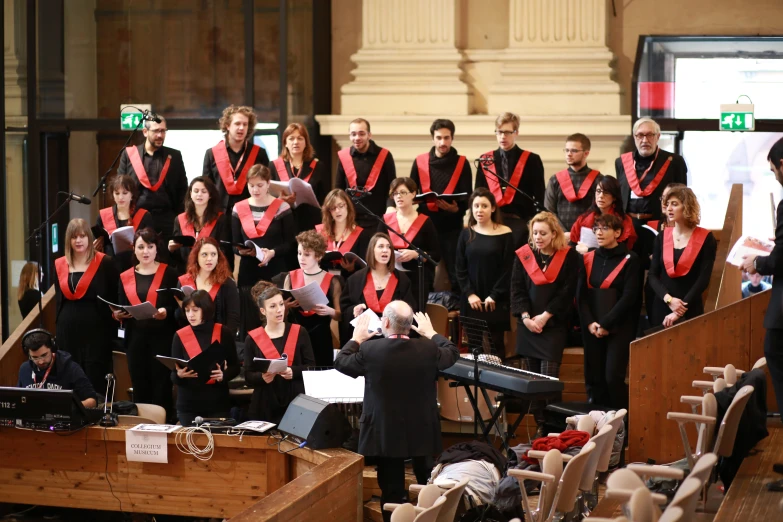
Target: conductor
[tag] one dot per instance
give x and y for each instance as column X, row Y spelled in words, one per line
column 400, row 417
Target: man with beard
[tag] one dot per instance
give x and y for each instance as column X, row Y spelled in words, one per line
column 160, row 175
column 570, row 192
column 444, row 171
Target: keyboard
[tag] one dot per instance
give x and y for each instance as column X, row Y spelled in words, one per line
column 504, row 379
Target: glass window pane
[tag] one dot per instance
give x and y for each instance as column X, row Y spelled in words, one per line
column 266, row 63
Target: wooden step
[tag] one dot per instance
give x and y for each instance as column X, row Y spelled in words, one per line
column 370, row 482
column 372, row 511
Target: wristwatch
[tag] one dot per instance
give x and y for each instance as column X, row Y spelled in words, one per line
column 669, row 300
column 525, row 316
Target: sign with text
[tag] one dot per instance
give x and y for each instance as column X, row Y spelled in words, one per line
column 55, row 238
column 147, row 443
column 737, row 117
column 130, row 115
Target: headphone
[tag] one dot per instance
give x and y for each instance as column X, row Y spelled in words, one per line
column 51, row 341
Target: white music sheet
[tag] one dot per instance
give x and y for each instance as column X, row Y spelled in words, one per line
column 333, row 386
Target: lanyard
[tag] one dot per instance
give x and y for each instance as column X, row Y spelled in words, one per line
column 46, row 375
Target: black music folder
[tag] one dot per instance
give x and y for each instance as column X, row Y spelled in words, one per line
column 202, row 364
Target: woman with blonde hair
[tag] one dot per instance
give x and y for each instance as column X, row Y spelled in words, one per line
column 28, row 293
column 84, row 323
column 543, row 286
column 682, row 261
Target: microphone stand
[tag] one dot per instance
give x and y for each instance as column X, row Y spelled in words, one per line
column 36, row 235
column 486, row 161
column 109, row 418
column 102, row 183
column 422, row 254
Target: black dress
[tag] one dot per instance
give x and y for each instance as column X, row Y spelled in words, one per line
column 270, row 401
column 85, row 326
column 194, row 396
column 29, row 300
column 535, row 298
column 221, row 232
column 226, row 305
column 357, row 244
column 688, row 287
column 319, row 326
column 144, row 339
column 426, row 239
column 123, row 260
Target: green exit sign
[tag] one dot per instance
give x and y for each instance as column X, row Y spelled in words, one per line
column 131, row 115
column 737, row 117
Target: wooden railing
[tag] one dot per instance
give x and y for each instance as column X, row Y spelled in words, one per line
column 11, row 355
column 664, row 365
column 726, row 280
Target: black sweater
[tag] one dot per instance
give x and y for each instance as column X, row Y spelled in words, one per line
column 564, row 284
column 441, row 170
column 363, row 163
column 626, row 285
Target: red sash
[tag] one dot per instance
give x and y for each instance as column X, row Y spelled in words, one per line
column 528, row 260
column 505, row 197
column 264, row 343
column 346, row 245
column 567, row 186
column 190, row 342
column 397, row 242
column 628, row 234
column 187, row 280
column 110, row 225
column 128, row 279
column 371, row 296
column 138, row 168
column 423, row 164
column 350, row 170
column 233, row 186
column 253, row 231
column 282, row 173
column 187, row 229
column 688, row 256
column 588, row 259
column 297, row 281
column 61, row 267
column 629, row 166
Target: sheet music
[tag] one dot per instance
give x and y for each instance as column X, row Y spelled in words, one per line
column 302, row 189
column 375, row 321
column 141, row 311
column 275, row 365
column 331, row 384
column 651, row 229
column 259, row 254
column 749, row 246
column 310, row 295
column 587, row 236
column 122, row 239
column 398, row 263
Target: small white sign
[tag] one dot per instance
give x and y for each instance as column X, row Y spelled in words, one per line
column 146, row 446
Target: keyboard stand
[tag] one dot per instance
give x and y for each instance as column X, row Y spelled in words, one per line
column 486, row 427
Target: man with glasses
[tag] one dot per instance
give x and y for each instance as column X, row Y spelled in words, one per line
column 444, row 171
column 160, row 175
column 50, row 369
column 367, row 169
column 520, row 168
column 570, row 192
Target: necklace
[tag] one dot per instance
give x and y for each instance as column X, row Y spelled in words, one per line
column 315, row 274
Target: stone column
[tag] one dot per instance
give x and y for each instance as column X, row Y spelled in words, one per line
column 408, row 62
column 15, row 58
column 557, row 60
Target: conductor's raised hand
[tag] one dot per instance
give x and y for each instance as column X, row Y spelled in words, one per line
column 423, row 325
column 360, row 333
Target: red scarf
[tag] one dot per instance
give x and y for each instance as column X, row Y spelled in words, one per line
column 345, row 246
column 567, row 186
column 138, row 168
column 61, row 267
column 528, row 260
column 629, row 166
column 423, row 164
column 191, row 345
column 110, row 224
column 233, row 186
column 297, row 281
column 267, row 348
column 187, row 228
column 350, row 170
column 505, row 197
column 371, row 296
column 397, row 242
column 187, row 280
column 253, row 231
column 282, row 172
column 588, row 260
column 128, row 279
column 688, row 256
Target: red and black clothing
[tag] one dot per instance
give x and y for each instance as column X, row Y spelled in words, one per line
column 569, row 194
column 356, row 242
column 317, row 326
column 108, row 220
column 270, row 401
column 194, row 396
column 225, row 297
column 374, row 172
column 235, row 170
column 219, row 229
column 450, row 174
column 85, row 325
column 683, row 273
column 317, row 175
column 587, row 220
column 162, row 183
column 608, row 287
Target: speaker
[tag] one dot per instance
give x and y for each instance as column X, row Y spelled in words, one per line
column 318, row 423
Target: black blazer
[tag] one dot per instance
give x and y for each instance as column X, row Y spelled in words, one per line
column 676, row 173
column 400, row 416
column 773, row 265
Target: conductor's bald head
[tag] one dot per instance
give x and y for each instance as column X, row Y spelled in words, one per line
column 397, row 318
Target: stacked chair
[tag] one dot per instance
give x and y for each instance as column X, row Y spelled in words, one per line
column 446, row 498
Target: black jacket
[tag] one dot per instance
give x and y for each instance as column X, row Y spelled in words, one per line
column 676, row 173
column 773, row 265
column 622, row 292
column 169, row 199
column 400, row 417
column 66, row 374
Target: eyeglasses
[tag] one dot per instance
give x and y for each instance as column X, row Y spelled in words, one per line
column 648, row 136
column 158, row 131
column 339, row 206
column 402, row 193
column 505, row 134
column 40, row 357
column 602, row 229
column 599, row 191
column 572, row 151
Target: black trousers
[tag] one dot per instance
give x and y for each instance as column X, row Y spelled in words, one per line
column 391, row 479
column 773, row 351
column 606, row 363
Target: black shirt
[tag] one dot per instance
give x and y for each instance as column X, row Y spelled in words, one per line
column 363, row 163
column 531, row 183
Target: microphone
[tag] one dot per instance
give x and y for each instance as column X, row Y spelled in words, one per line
column 151, row 116
column 84, row 200
column 484, row 161
column 359, row 193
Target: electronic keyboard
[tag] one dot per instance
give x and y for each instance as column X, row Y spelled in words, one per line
column 504, row 379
